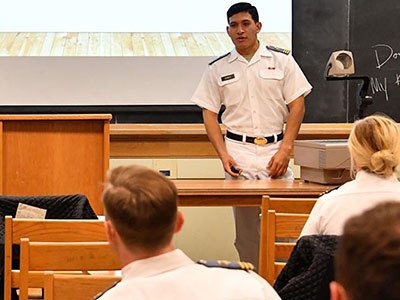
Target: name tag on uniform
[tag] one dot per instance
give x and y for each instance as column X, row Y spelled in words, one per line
column 227, row 77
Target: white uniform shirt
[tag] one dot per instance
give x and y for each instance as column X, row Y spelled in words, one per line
column 174, row 276
column 254, row 93
column 353, row 198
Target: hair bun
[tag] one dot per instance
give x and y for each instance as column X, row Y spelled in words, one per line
column 382, row 162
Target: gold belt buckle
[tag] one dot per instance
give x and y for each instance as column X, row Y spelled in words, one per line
column 260, row 141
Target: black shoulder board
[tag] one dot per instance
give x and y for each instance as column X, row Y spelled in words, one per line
column 103, row 292
column 218, row 58
column 234, row 265
column 331, row 190
column 281, row 50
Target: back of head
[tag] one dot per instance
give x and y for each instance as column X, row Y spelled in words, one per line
column 142, row 204
column 242, row 7
column 368, row 258
column 374, row 145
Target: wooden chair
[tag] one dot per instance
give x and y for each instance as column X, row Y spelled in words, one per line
column 289, row 205
column 280, row 225
column 82, row 287
column 41, row 231
column 62, row 256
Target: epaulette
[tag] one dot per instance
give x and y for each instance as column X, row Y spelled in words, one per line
column 218, row 58
column 234, row 265
column 277, row 49
column 331, row 190
column 103, row 292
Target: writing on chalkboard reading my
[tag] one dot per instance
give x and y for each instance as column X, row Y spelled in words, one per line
column 377, row 87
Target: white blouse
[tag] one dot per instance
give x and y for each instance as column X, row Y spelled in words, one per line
column 332, row 210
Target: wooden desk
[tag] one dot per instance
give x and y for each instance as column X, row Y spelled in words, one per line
column 190, row 140
column 242, row 192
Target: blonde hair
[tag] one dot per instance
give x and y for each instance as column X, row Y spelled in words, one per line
column 374, row 145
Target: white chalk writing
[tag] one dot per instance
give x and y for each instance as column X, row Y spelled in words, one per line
column 379, row 87
column 384, row 53
column 397, row 82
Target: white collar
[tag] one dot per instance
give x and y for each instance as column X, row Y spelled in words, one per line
column 364, row 175
column 156, row 265
column 261, row 51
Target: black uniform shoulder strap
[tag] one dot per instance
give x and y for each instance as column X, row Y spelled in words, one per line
column 332, row 189
column 103, row 292
column 218, row 58
column 277, row 49
column 233, row 265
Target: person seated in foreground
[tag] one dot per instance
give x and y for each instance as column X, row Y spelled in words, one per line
column 368, row 258
column 141, row 213
column 374, row 145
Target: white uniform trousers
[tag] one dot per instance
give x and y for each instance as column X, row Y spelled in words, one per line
column 253, row 160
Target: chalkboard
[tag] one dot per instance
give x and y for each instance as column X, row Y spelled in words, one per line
column 370, row 30
column 319, row 28
column 375, row 43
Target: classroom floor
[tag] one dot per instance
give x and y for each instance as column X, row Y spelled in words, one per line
column 125, row 44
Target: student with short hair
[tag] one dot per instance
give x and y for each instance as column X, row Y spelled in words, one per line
column 374, row 145
column 141, row 212
column 368, row 258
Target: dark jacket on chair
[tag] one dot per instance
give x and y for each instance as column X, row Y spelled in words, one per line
column 58, row 207
column 309, row 269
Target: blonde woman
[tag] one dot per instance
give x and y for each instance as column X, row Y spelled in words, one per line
column 374, row 145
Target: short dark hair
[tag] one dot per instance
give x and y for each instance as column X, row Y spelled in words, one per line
column 243, row 7
column 142, row 205
column 368, row 258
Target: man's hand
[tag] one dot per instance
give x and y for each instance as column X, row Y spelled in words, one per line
column 278, row 164
column 228, row 162
column 215, row 135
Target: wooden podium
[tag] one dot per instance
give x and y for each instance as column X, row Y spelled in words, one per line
column 54, row 155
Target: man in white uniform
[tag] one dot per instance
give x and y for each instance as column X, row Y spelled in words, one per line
column 257, row 84
column 141, row 219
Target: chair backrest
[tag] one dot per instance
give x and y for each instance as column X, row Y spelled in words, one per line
column 62, row 256
column 45, row 230
column 277, row 226
column 82, row 287
column 290, row 205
